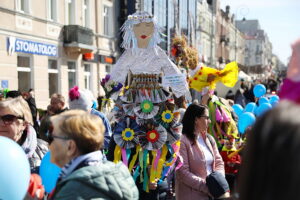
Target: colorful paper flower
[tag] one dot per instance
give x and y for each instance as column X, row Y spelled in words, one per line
column 152, row 136
column 146, row 106
column 167, row 116
column 146, row 110
column 128, row 134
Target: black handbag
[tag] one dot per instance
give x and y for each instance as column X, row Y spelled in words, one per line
column 217, row 184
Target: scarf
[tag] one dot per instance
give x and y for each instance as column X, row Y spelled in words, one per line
column 90, row 159
column 30, row 143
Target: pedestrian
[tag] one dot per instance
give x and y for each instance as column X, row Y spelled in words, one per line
column 29, row 97
column 76, row 138
column 84, row 100
column 270, row 168
column 57, row 105
column 232, row 161
column 199, row 153
column 16, row 123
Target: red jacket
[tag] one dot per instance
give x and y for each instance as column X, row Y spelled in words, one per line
column 231, row 164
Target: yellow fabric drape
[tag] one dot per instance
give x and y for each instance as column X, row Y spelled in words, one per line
column 228, row 76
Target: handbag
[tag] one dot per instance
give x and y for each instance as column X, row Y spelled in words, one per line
column 217, row 184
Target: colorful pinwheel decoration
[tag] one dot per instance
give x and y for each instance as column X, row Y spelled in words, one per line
column 165, row 118
column 126, row 133
column 153, row 138
column 146, row 110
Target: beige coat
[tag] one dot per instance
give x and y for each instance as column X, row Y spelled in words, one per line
column 190, row 178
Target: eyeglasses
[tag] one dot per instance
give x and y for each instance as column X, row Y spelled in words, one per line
column 51, row 137
column 206, row 117
column 9, row 119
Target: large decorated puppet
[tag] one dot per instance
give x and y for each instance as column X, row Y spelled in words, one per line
column 146, row 136
column 204, row 79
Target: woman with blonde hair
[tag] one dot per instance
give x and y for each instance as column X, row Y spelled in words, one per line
column 16, row 123
column 76, row 138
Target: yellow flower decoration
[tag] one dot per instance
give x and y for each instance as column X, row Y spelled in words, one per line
column 128, row 134
column 167, row 116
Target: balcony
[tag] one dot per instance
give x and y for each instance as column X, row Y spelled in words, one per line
column 78, row 39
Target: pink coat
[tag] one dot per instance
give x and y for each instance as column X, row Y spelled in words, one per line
column 190, row 178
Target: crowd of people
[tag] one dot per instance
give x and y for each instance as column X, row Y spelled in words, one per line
column 159, row 146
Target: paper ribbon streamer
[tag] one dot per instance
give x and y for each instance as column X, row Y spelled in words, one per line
column 141, row 165
column 133, row 160
column 161, row 161
column 124, row 157
column 136, row 173
column 117, row 154
column 146, row 178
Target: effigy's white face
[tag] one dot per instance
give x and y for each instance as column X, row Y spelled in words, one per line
column 143, row 33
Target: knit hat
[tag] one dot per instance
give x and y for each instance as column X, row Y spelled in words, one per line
column 80, row 99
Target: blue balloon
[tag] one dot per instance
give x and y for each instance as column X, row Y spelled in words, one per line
column 49, row 173
column 261, row 109
column 274, row 103
column 274, row 98
column 14, row 171
column 250, row 107
column 263, row 100
column 246, row 119
column 238, row 109
column 259, row 90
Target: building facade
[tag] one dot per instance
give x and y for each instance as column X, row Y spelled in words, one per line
column 205, row 32
column 258, row 48
column 53, row 45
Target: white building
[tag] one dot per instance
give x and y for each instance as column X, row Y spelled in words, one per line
column 258, row 50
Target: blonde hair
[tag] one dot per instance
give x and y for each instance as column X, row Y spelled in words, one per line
column 19, row 107
column 85, row 129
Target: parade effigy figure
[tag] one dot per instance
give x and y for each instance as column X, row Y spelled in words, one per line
column 146, row 135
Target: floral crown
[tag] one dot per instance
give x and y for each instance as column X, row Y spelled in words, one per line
column 139, row 17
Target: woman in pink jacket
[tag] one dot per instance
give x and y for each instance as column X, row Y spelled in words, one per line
column 199, row 153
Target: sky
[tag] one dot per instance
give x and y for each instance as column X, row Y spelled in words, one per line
column 279, row 18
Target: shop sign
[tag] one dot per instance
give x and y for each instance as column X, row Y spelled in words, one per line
column 26, row 46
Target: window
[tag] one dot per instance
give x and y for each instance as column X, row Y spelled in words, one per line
column 108, row 21
column 86, row 13
column 70, row 12
column 52, row 76
column 24, row 73
column 257, row 60
column 71, row 74
column 23, row 6
column 52, row 10
column 107, row 69
column 87, row 76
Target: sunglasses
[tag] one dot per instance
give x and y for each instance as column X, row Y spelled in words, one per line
column 9, row 119
column 51, row 137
